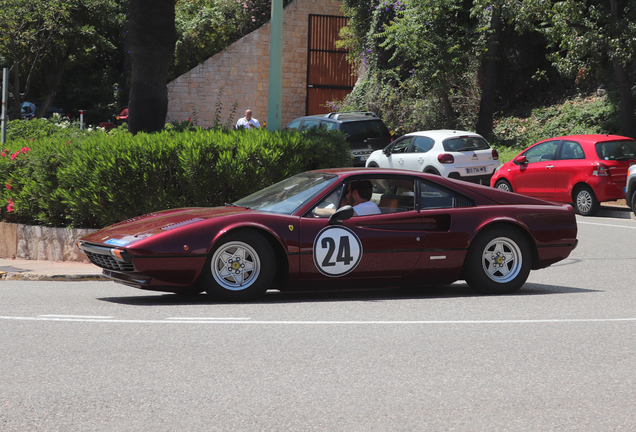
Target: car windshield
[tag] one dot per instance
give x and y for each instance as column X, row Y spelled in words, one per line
column 465, row 144
column 289, row 195
column 616, row 150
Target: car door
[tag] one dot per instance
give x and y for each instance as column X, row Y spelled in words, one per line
column 569, row 167
column 537, row 177
column 444, row 225
column 362, row 248
column 397, row 154
column 416, row 157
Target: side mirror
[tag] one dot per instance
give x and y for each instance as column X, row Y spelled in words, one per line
column 386, row 151
column 521, row 160
column 342, row 214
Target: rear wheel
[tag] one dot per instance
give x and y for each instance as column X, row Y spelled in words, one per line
column 634, row 202
column 373, row 165
column 498, row 261
column 241, row 266
column 585, row 202
column 503, row 185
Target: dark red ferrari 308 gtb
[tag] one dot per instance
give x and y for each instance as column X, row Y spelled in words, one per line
column 299, row 234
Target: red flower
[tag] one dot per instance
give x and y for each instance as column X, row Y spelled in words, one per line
column 25, row 150
column 8, row 185
column 10, row 206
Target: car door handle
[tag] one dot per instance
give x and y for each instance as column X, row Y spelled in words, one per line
column 420, row 160
column 549, row 167
column 401, row 160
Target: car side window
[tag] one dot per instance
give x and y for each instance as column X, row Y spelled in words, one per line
column 422, row 145
column 293, row 125
column 310, row 124
column 390, row 195
column 327, row 125
column 572, row 150
column 401, row 145
column 434, row 196
column 542, row 152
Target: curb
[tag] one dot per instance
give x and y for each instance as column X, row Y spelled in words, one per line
column 15, row 276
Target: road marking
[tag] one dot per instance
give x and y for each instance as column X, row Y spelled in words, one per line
column 217, row 321
column 207, row 318
column 76, row 316
column 606, row 225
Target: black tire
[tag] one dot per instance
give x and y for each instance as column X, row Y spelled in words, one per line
column 634, row 202
column 585, row 202
column 241, row 266
column 373, row 165
column 498, row 261
column 504, row 185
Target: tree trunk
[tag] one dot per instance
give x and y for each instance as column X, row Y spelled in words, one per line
column 628, row 120
column 490, row 66
column 152, row 38
column 53, row 76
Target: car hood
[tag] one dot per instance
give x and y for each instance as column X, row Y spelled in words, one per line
column 138, row 228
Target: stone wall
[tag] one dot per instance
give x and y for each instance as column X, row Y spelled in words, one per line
column 242, row 72
column 41, row 243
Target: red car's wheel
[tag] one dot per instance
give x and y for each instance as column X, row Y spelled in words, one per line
column 241, row 266
column 503, row 185
column 585, row 202
column 498, row 261
column 634, row 202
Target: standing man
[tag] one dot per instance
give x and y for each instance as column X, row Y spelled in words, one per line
column 248, row 122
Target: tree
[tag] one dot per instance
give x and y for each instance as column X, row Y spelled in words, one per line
column 27, row 31
column 592, row 37
column 152, row 38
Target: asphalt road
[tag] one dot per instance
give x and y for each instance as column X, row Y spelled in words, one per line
column 559, row 355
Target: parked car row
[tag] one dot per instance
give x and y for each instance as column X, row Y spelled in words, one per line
column 582, row 170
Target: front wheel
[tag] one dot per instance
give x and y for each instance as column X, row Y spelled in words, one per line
column 498, row 261
column 241, row 266
column 585, row 202
column 503, row 185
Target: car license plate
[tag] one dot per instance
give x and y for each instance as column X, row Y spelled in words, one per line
column 477, row 170
column 363, row 158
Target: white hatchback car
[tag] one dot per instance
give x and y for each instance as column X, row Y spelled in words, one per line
column 454, row 154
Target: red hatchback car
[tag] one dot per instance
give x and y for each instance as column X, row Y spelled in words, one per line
column 584, row 170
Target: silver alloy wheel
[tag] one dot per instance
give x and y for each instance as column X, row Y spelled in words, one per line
column 502, row 260
column 503, row 186
column 235, row 266
column 584, row 201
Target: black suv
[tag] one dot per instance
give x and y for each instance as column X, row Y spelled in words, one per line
column 364, row 130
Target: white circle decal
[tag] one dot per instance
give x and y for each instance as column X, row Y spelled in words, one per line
column 337, row 251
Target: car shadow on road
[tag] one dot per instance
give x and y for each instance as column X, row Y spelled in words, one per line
column 456, row 290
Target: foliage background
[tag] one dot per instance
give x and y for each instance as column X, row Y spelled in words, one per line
column 101, row 178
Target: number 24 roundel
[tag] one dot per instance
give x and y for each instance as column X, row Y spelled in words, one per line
column 337, row 251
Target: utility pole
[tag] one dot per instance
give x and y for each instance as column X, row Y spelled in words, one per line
column 5, row 94
column 275, row 103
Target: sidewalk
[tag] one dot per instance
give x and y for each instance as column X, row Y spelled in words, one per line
column 32, row 270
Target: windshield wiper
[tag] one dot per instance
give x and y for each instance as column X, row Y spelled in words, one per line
column 234, row 205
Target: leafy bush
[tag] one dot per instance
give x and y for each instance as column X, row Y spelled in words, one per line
column 99, row 179
column 54, row 127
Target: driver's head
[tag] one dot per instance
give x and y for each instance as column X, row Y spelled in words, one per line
column 364, row 189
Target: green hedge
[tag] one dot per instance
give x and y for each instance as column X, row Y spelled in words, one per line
column 100, row 179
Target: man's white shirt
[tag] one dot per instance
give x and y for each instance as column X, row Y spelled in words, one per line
column 251, row 124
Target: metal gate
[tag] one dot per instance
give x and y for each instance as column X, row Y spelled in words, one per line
column 329, row 74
